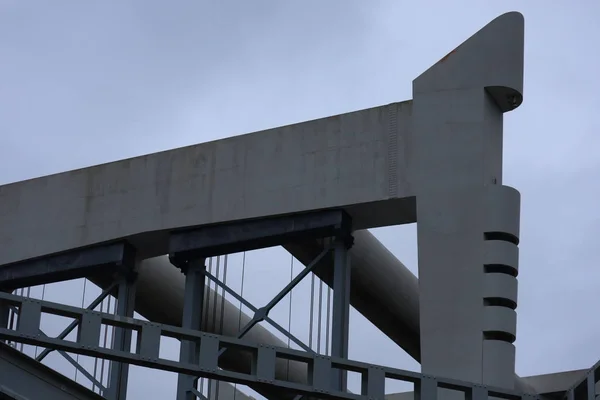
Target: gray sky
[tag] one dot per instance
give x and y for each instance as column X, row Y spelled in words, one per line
column 86, row 82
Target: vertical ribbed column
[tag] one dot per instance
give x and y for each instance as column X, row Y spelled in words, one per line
column 467, row 222
column 468, row 261
column 500, row 268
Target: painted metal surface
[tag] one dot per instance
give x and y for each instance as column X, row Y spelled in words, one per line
column 264, row 357
column 436, row 160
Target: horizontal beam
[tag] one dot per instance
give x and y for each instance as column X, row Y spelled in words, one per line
column 353, row 161
column 585, row 387
column 74, row 264
column 264, row 357
column 235, row 237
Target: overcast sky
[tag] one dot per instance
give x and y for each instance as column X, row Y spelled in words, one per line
column 86, row 82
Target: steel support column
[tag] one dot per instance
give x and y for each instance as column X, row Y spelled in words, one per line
column 341, row 307
column 117, row 385
column 4, row 316
column 193, row 300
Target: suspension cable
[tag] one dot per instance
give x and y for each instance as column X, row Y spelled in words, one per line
column 328, row 315
column 103, row 362
column 290, row 313
column 95, row 375
column 218, row 384
column 43, row 293
column 328, row 320
column 206, row 307
column 320, row 316
column 20, row 347
column 240, row 317
column 212, row 382
column 312, row 310
column 82, row 306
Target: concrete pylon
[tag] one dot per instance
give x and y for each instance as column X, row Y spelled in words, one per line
column 467, row 221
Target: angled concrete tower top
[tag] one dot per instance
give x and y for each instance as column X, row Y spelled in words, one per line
column 492, row 59
column 467, row 221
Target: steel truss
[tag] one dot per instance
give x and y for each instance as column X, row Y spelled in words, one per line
column 199, row 351
column 264, row 357
column 188, row 250
column 114, row 259
column 585, row 389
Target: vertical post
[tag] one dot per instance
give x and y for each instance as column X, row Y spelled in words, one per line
column 192, row 319
column 341, row 309
column 4, row 315
column 117, row 384
column 467, row 222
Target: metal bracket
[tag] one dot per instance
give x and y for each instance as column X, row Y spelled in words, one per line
column 229, row 238
column 74, row 264
column 585, row 389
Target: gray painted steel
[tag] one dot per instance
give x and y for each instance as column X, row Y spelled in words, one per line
column 192, row 319
column 119, row 372
column 264, row 360
column 437, row 159
column 23, row 378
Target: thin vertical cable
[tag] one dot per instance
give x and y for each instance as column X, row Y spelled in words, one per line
column 206, row 307
column 240, row 317
column 82, row 306
column 290, row 315
column 11, row 319
column 103, row 362
column 113, row 329
column 328, row 316
column 28, row 295
column 43, row 293
column 96, row 359
column 223, row 294
column 20, row 345
column 320, row 316
column 312, row 310
column 222, row 310
column 216, row 295
column 211, row 382
column 328, row 321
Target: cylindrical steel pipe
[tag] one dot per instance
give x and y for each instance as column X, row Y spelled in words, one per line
column 382, row 289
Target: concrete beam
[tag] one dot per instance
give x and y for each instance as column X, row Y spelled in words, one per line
column 358, row 161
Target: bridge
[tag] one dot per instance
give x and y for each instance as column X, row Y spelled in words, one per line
column 151, row 232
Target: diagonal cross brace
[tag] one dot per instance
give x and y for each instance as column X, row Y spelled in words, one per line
column 66, row 356
column 261, row 314
column 75, row 323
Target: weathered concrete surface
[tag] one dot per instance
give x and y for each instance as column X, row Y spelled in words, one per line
column 446, row 143
column 383, row 290
column 468, row 223
column 355, row 160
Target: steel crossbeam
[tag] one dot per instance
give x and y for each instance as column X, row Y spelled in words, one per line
column 264, row 357
column 585, row 389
